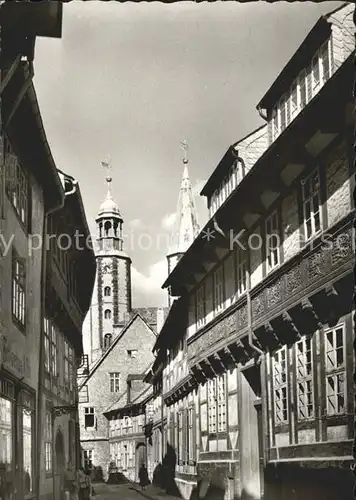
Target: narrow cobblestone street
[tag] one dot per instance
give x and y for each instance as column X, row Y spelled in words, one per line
column 116, row 491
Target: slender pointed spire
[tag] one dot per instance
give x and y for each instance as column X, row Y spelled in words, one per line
column 186, row 226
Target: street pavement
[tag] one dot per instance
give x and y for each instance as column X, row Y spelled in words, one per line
column 128, row 492
column 115, row 492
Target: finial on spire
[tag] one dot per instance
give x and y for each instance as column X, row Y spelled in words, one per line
column 184, row 145
column 107, row 164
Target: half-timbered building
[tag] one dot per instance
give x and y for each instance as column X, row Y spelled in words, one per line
column 257, row 351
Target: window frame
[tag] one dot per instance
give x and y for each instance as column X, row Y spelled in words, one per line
column 310, row 200
column 114, row 382
column 218, row 284
column 302, row 379
column 88, row 413
column 272, row 228
column 18, row 287
column 279, row 386
column 339, row 370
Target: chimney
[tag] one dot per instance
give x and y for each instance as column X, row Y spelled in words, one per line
column 160, row 319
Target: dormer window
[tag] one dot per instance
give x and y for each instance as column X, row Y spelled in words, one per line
column 305, row 86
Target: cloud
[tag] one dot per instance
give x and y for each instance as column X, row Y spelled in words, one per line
column 135, row 223
column 146, row 287
column 198, row 186
column 168, row 221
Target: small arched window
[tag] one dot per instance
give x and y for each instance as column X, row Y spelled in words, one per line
column 107, row 314
column 107, row 340
column 107, row 291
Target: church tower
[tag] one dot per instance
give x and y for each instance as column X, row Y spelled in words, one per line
column 186, row 226
column 111, row 299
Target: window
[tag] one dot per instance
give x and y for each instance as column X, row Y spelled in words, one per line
column 54, row 351
column 305, row 393
column 68, row 365
column 18, row 289
column 272, row 241
column 114, row 382
column 240, row 272
column 47, row 344
column 335, row 371
column 200, row 305
column 107, row 291
column 221, row 404
column 280, row 386
column 132, row 353
column 107, row 314
column 303, row 89
column 17, row 187
column 88, row 459
column 27, row 450
column 191, row 434
column 89, row 417
column 180, row 437
column 107, row 340
column 311, row 204
column 48, row 442
column 212, row 406
column 325, row 61
column 218, row 289
column 6, row 429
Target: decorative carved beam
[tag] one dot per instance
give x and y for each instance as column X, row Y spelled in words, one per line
column 216, row 363
column 291, row 325
column 198, row 374
column 232, row 349
column 226, row 359
column 208, row 369
column 308, row 308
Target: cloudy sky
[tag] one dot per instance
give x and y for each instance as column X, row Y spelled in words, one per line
column 133, row 80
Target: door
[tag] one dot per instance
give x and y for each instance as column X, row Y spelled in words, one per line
column 250, row 433
column 59, row 467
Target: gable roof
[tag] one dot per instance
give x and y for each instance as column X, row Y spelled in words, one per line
column 94, row 367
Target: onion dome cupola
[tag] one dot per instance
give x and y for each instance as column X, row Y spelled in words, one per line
column 109, row 221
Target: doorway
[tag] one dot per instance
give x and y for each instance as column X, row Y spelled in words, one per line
column 251, row 437
column 59, row 467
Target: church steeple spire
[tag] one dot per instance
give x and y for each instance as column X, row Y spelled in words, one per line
column 186, row 226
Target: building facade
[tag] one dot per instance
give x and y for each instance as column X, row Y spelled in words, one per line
column 256, row 354
column 31, row 193
column 127, row 438
column 118, row 339
column 70, row 274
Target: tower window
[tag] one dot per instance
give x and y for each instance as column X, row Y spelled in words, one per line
column 107, row 314
column 107, row 291
column 107, row 340
column 107, row 227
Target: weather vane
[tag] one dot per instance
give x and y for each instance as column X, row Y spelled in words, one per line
column 107, row 164
column 184, row 145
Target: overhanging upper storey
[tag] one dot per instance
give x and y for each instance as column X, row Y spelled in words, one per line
column 282, row 164
column 323, row 51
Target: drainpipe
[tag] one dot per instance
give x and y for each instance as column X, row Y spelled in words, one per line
column 249, row 314
column 41, row 348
